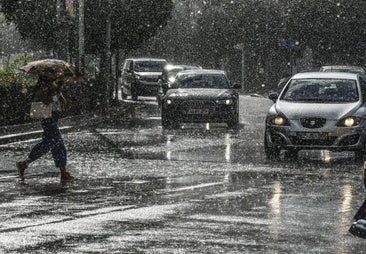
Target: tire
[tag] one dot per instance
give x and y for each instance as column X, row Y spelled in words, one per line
column 360, row 155
column 124, row 96
column 292, row 154
column 234, row 123
column 166, row 122
column 133, row 93
column 134, row 96
column 272, row 153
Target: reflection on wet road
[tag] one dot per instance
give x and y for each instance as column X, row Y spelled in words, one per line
column 200, row 189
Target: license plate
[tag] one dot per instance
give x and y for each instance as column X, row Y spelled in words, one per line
column 198, row 111
column 312, row 135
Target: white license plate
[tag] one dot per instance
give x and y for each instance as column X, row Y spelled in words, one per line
column 198, row 111
column 312, row 135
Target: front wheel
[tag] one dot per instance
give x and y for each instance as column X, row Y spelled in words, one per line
column 167, row 122
column 271, row 152
column 360, row 155
column 133, row 93
column 234, row 123
column 124, row 95
column 292, row 154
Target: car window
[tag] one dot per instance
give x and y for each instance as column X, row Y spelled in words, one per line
column 149, row 66
column 213, row 81
column 321, row 90
column 363, row 88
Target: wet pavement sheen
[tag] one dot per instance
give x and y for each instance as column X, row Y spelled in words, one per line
column 200, row 189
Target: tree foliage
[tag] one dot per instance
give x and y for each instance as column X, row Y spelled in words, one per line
column 133, row 22
column 45, row 23
column 334, row 30
column 224, row 24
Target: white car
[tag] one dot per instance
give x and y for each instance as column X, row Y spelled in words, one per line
column 318, row 110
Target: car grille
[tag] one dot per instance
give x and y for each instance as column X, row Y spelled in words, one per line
column 198, row 104
column 150, row 79
column 312, row 123
column 312, row 142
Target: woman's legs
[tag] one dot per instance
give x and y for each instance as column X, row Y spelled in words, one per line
column 38, row 150
column 51, row 140
column 59, row 154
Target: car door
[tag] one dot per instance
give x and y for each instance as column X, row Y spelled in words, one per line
column 125, row 72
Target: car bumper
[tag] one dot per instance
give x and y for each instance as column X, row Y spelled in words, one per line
column 335, row 138
column 218, row 113
column 144, row 88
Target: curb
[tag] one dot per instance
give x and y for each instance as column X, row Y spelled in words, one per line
column 15, row 133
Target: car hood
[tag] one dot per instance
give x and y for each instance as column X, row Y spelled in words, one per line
column 200, row 93
column 149, row 74
column 332, row 111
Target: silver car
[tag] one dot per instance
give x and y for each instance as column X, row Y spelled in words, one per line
column 318, row 110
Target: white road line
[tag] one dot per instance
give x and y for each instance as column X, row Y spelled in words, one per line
column 31, row 132
column 192, row 187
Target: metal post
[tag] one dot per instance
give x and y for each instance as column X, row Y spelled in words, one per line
column 81, row 55
column 242, row 66
column 107, row 58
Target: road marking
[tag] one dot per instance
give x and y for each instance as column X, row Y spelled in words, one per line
column 192, row 187
column 31, row 132
column 104, row 210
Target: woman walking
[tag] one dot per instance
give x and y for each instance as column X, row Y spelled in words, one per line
column 48, row 92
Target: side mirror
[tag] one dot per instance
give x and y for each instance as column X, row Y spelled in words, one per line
column 273, row 96
column 237, row 86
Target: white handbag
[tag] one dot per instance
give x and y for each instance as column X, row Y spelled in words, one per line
column 39, row 110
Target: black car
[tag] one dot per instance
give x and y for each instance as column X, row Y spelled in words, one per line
column 201, row 96
column 168, row 77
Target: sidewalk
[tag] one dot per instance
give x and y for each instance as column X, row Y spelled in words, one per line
column 13, row 133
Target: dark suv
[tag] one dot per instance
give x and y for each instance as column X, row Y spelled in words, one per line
column 140, row 77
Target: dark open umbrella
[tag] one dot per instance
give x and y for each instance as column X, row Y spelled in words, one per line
column 52, row 68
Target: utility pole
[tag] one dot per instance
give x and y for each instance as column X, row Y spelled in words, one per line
column 81, row 32
column 105, row 57
column 240, row 47
column 108, row 54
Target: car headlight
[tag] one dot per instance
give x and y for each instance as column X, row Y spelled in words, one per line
column 278, row 120
column 349, row 121
column 225, row 102
column 138, row 77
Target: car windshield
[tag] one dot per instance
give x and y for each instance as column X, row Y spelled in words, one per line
column 213, row 81
column 321, row 90
column 344, row 70
column 149, row 66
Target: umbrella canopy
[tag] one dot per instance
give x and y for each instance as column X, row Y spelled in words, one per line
column 51, row 68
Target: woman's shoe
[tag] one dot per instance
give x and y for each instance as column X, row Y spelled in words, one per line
column 66, row 177
column 21, row 167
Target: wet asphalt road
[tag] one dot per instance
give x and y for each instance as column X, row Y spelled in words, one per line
column 201, row 189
